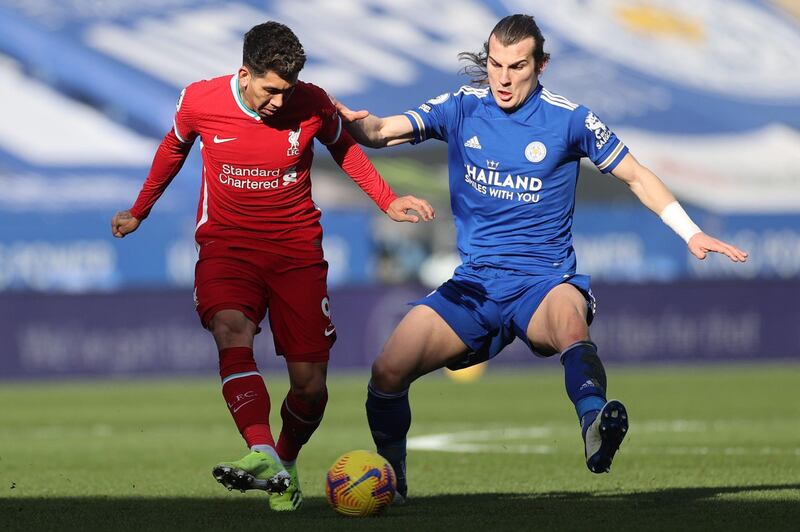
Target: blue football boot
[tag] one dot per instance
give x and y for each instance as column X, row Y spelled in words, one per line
column 604, row 435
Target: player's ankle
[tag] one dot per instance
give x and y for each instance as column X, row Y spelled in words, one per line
column 586, row 421
column 268, row 450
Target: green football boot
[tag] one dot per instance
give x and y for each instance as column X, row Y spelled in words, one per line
column 256, row 471
column 292, row 498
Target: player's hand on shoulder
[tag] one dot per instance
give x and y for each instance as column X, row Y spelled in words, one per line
column 701, row 244
column 399, row 210
column 123, row 223
column 347, row 114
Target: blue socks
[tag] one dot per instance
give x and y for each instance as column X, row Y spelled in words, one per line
column 585, row 380
column 389, row 417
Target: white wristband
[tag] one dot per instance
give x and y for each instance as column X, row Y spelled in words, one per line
column 676, row 218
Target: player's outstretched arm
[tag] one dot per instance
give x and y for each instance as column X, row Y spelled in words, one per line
column 124, row 223
column 372, row 131
column 168, row 160
column 399, row 210
column 655, row 195
column 352, row 159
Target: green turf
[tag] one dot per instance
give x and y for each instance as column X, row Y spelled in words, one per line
column 709, row 448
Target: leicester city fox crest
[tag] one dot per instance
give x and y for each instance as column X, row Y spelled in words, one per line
column 535, row 152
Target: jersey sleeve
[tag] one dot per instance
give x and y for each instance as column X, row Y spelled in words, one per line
column 591, row 138
column 434, row 118
column 352, row 159
column 167, row 162
column 184, row 123
column 169, row 157
column 331, row 123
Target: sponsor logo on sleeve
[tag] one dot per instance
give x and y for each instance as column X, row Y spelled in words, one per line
column 439, row 99
column 600, row 130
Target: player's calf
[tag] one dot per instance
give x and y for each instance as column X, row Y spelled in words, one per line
column 301, row 418
column 389, row 418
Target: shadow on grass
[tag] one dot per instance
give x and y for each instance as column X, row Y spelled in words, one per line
column 758, row 507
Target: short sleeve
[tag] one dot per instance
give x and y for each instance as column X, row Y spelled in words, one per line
column 433, row 118
column 591, row 138
column 184, row 122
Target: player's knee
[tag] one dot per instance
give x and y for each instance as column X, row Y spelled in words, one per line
column 310, row 390
column 230, row 326
column 224, row 325
column 387, row 376
column 574, row 330
column 311, row 393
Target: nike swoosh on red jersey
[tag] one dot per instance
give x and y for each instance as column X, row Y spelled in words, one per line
column 218, row 140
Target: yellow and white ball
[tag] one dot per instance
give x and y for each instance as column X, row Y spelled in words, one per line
column 360, row 484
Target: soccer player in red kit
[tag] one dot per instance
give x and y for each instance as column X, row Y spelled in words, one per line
column 260, row 241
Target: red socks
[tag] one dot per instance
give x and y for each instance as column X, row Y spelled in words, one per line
column 249, row 404
column 300, row 420
column 245, row 395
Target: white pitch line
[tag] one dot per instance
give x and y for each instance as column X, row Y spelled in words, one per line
column 494, row 441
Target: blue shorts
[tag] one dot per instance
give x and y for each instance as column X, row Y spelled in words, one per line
column 487, row 307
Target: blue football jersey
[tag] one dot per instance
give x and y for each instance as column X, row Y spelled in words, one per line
column 513, row 176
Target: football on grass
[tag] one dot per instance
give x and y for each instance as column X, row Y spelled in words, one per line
column 360, row 484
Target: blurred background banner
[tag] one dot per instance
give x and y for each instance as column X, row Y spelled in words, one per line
column 158, row 333
column 707, row 94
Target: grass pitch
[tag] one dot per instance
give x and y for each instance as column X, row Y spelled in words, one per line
column 709, row 448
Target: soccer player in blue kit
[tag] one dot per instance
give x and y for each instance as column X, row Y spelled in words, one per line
column 514, row 151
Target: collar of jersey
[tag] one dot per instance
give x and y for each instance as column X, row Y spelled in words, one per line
column 238, row 98
column 524, row 111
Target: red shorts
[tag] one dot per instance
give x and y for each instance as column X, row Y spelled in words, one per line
column 250, row 280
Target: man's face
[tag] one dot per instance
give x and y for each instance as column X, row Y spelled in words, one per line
column 512, row 72
column 265, row 94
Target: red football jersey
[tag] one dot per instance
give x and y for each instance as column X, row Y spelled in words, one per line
column 256, row 174
column 256, row 186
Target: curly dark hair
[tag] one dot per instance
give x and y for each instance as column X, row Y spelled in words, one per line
column 272, row 46
column 510, row 30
